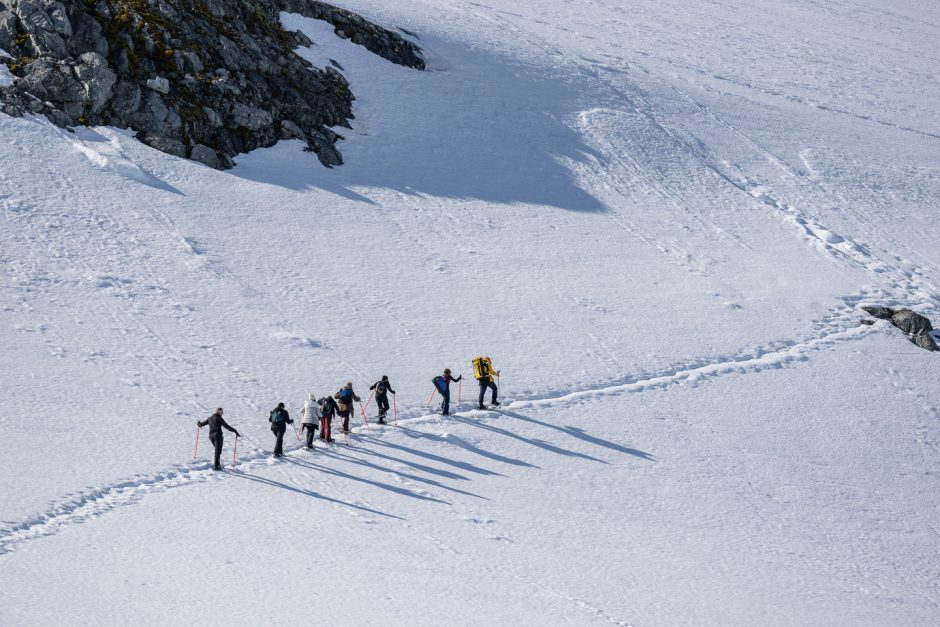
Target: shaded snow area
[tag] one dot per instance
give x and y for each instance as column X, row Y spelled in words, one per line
column 660, row 221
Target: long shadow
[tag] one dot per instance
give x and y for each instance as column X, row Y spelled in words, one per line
column 377, row 484
column 407, row 475
column 415, row 465
column 452, row 439
column 488, row 127
column 579, row 433
column 310, row 493
column 450, row 462
column 539, row 443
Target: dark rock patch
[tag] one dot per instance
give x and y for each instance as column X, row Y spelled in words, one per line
column 925, row 341
column 882, row 313
column 917, row 327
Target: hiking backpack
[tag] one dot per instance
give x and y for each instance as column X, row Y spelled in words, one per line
column 482, row 367
column 440, row 383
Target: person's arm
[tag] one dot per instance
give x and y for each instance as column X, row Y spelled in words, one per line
column 202, row 423
column 372, row 387
column 287, row 418
column 390, row 388
column 226, row 425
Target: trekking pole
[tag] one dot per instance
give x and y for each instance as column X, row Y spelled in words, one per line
column 198, row 429
column 368, row 401
column 459, row 393
column 365, row 419
column 296, row 432
column 395, row 406
column 430, row 398
column 234, row 452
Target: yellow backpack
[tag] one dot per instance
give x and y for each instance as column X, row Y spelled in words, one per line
column 482, row 367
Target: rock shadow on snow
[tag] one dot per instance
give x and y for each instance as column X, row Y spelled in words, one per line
column 487, row 128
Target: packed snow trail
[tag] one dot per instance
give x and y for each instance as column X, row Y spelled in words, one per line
column 84, row 506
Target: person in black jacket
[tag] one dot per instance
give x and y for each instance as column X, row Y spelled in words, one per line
column 382, row 388
column 216, row 422
column 279, row 420
column 327, row 411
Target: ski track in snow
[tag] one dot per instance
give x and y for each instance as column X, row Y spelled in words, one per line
column 841, row 325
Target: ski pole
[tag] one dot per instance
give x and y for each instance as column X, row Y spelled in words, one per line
column 296, row 432
column 365, row 419
column 198, row 429
column 370, row 400
column 459, row 393
column 430, row 398
column 234, row 452
column 395, row 406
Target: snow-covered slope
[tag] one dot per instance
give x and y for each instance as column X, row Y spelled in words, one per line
column 659, row 220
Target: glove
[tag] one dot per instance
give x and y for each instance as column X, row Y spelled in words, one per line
column 393, row 392
column 237, row 435
column 198, row 425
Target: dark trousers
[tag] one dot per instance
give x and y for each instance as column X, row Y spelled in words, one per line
column 217, row 440
column 279, row 443
column 487, row 383
column 345, row 416
column 382, row 401
column 325, row 423
column 311, row 431
column 445, row 404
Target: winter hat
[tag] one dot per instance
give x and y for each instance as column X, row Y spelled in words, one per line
column 384, row 377
column 280, row 405
column 349, row 384
column 313, row 396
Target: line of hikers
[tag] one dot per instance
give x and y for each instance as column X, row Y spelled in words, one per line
column 320, row 412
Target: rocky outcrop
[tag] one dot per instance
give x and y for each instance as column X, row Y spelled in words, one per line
column 910, row 322
column 882, row 313
column 360, row 31
column 203, row 79
column 916, row 326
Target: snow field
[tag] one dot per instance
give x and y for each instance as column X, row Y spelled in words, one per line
column 659, row 220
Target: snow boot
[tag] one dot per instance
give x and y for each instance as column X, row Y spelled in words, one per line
column 495, row 403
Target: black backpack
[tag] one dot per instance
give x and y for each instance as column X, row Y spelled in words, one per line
column 277, row 417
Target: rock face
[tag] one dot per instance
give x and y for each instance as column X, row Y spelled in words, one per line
column 203, row 79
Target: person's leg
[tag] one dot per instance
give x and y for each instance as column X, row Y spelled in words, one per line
column 445, row 406
column 310, row 432
column 493, row 387
column 279, row 442
column 329, row 428
column 482, row 392
column 345, row 416
column 217, row 441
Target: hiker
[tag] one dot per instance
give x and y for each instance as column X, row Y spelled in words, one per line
column 216, row 422
column 309, row 417
column 442, row 383
column 279, row 420
column 327, row 411
column 382, row 388
column 346, row 397
column 483, row 371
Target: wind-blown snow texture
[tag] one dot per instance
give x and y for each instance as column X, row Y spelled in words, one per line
column 659, row 220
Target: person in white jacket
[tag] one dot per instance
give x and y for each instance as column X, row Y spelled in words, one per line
column 309, row 417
